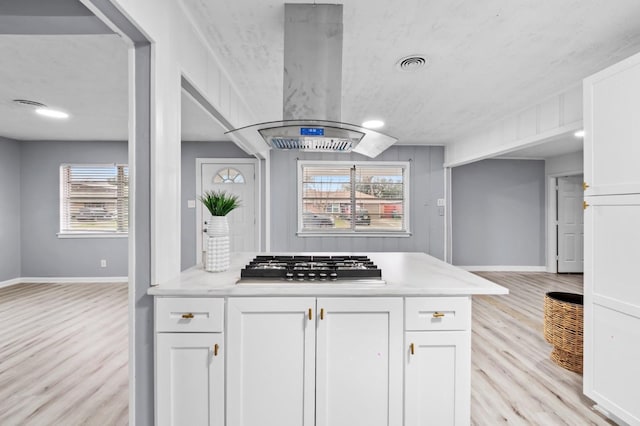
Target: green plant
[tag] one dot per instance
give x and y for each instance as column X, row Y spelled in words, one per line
column 219, row 203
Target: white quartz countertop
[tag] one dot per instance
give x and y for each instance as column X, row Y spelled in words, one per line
column 405, row 274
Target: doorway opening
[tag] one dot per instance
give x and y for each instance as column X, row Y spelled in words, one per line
column 569, row 224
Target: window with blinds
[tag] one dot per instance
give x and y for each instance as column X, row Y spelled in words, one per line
column 94, row 199
column 350, row 197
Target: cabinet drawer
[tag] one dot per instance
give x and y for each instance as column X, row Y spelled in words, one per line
column 437, row 313
column 189, row 314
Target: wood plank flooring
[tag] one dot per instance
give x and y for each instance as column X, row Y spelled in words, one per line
column 64, row 354
column 513, row 380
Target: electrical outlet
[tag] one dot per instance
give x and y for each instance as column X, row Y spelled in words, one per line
column 103, row 263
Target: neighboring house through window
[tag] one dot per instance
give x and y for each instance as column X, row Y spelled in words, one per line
column 94, row 199
column 353, row 197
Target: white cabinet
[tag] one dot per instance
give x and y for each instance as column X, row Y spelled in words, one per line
column 270, row 361
column 330, row 361
column 189, row 379
column 437, row 361
column 359, row 362
column 189, row 361
column 437, row 385
column 612, row 240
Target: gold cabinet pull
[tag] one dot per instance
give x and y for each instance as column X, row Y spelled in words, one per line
column 310, row 314
column 412, row 349
column 215, row 349
column 187, row 316
column 438, row 314
column 322, row 313
column 585, row 205
column 585, row 185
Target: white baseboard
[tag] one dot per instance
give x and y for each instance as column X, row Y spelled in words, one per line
column 12, row 281
column 63, row 280
column 507, row 268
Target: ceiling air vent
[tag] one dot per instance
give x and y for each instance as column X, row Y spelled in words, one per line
column 411, row 63
column 28, row 103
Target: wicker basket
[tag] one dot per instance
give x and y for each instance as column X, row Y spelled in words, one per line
column 563, row 328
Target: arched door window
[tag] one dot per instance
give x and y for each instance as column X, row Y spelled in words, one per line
column 228, row 175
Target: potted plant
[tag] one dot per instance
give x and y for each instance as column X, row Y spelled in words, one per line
column 219, row 204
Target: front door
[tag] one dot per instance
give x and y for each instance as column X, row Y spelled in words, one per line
column 570, row 224
column 236, row 178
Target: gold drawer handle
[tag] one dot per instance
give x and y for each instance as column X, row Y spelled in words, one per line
column 187, row 316
column 310, row 314
column 585, row 185
column 438, row 314
column 215, row 349
column 412, row 349
column 585, row 205
column 322, row 313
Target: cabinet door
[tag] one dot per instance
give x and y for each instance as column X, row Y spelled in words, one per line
column 612, row 129
column 437, row 378
column 189, row 379
column 612, row 304
column 270, row 361
column 359, row 362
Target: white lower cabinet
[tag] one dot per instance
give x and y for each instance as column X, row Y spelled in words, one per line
column 307, row 361
column 437, row 372
column 359, row 362
column 189, row 379
column 437, row 361
column 270, row 361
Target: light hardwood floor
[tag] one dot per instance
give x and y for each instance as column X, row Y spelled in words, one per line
column 513, row 380
column 63, row 356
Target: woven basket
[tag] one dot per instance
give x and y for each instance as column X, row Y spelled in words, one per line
column 563, row 328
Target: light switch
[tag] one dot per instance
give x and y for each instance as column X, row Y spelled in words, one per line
column 191, row 204
column 440, row 202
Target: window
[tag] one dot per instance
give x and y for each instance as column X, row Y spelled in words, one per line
column 94, row 199
column 353, row 197
column 228, row 175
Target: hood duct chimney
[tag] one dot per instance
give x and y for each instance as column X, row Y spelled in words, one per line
column 312, row 89
column 312, row 62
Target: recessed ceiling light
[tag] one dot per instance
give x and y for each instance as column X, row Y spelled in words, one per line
column 373, row 124
column 48, row 112
column 579, row 134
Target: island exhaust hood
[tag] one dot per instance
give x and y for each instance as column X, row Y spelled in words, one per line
column 312, row 97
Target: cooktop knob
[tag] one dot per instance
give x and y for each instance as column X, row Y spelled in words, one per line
column 300, row 276
column 323, row 276
column 289, row 276
column 311, row 276
column 333, row 276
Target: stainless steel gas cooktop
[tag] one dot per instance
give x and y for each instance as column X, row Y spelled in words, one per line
column 311, row 269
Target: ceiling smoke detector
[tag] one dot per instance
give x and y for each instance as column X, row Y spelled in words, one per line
column 28, row 103
column 411, row 63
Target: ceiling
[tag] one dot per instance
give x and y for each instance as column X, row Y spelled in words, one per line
column 485, row 60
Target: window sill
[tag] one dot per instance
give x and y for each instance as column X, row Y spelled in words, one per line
column 398, row 234
column 89, row 235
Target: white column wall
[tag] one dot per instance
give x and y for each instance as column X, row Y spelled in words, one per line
column 178, row 49
column 554, row 116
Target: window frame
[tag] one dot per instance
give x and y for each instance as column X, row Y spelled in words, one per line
column 86, row 233
column 405, row 232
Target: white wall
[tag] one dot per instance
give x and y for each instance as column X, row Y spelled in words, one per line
column 553, row 116
column 569, row 164
column 10, row 217
column 178, row 50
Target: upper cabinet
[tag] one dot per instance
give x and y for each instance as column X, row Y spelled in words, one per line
column 612, row 129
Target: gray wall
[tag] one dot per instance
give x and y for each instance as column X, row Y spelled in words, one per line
column 498, row 213
column 426, row 186
column 191, row 151
column 43, row 253
column 10, row 209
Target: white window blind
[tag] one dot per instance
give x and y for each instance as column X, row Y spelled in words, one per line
column 362, row 197
column 94, row 199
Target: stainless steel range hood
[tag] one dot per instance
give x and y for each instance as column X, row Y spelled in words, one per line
column 312, row 98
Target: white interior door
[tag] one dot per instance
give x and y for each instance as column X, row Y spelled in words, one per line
column 570, row 224
column 237, row 178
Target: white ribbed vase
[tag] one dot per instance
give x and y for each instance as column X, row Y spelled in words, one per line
column 218, row 256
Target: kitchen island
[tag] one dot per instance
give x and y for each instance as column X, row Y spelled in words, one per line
column 396, row 352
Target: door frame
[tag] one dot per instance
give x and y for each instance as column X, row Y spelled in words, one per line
column 256, row 195
column 552, row 208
